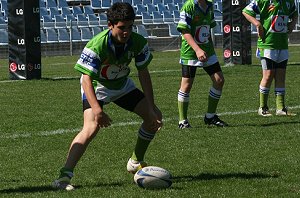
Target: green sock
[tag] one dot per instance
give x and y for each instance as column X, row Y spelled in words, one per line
column 212, row 104
column 280, row 102
column 140, row 149
column 182, row 109
column 263, row 99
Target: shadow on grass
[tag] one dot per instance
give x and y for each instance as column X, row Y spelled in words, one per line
column 215, row 176
column 49, row 188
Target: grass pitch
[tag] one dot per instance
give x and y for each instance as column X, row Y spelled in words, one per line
column 254, row 157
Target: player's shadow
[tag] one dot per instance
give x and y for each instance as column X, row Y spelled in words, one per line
column 216, row 176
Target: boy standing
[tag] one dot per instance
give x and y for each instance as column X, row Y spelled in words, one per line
column 197, row 50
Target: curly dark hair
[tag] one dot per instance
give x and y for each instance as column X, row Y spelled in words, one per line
column 120, row 11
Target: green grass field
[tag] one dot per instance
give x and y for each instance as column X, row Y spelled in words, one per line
column 254, row 157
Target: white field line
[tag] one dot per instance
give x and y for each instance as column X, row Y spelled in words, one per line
column 120, row 124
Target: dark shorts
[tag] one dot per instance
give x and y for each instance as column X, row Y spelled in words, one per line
column 128, row 101
column 190, row 71
column 270, row 64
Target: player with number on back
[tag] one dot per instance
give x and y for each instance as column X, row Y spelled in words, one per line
column 197, row 50
column 104, row 64
column 277, row 19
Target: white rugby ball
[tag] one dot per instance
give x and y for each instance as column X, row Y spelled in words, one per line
column 153, row 177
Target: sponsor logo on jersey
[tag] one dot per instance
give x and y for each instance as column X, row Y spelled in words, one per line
column 279, row 24
column 202, row 34
column 111, row 72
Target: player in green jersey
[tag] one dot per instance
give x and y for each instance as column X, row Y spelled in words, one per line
column 104, row 64
column 277, row 18
column 197, row 50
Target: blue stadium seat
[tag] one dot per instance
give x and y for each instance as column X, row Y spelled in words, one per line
column 96, row 30
column 167, row 1
column 139, row 9
column 86, row 34
column 43, row 37
column 179, row 6
column 59, row 21
column 43, row 11
column 155, row 2
column 53, row 11
column 62, row 4
column 51, row 3
column 3, row 23
column 51, row 36
column 71, row 20
column 146, row 18
column 218, row 28
column 161, row 7
column 96, row 4
column 102, row 20
column 115, row 1
column 150, row 8
column 167, row 17
column 65, row 11
column 76, row 10
column 47, row 22
column 176, row 15
column 157, row 18
column 173, row 32
column 82, row 20
column 135, row 2
column 128, row 1
column 140, row 29
column 105, row 4
column 76, row 37
column 3, row 37
column 63, row 35
column 93, row 20
column 87, row 9
column 171, row 7
column 145, row 2
column 42, row 4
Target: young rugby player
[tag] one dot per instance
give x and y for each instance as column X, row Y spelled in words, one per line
column 197, row 50
column 104, row 64
column 277, row 18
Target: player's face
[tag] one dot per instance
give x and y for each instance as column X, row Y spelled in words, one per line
column 121, row 31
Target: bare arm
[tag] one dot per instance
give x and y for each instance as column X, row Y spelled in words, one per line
column 146, row 83
column 256, row 23
column 201, row 55
column 101, row 118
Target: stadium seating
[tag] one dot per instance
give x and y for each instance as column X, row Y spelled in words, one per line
column 51, row 36
column 173, row 32
column 43, row 37
column 146, row 18
column 161, row 7
column 92, row 20
column 3, row 37
column 96, row 4
column 3, row 23
column 142, row 31
column 151, row 8
column 51, row 3
column 59, row 21
column 62, row 4
column 86, row 34
column 63, row 35
column 139, row 9
column 167, row 17
column 76, row 37
column 105, row 4
column 65, row 11
column 53, row 11
column 171, row 7
column 157, row 18
column 76, row 10
column 102, row 20
column 82, row 21
column 176, row 15
column 47, row 22
column 96, row 30
column 88, row 10
column 71, row 20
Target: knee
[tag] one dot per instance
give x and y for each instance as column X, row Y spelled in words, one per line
column 219, row 83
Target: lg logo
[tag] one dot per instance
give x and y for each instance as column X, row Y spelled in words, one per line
column 235, row 2
column 19, row 11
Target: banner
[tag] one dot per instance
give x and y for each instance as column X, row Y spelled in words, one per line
column 24, row 45
column 236, row 33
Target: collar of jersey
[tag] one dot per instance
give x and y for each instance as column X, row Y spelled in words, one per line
column 209, row 4
column 112, row 46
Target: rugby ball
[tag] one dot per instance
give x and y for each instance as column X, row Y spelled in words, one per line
column 153, row 177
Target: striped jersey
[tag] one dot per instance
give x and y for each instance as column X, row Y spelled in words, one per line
column 197, row 22
column 108, row 64
column 274, row 16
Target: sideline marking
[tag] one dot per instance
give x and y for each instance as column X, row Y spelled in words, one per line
column 120, row 124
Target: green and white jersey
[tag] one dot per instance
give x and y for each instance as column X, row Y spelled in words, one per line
column 197, row 22
column 108, row 64
column 274, row 16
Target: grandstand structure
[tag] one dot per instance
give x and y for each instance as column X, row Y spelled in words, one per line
column 66, row 25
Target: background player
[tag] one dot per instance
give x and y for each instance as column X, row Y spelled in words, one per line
column 197, row 50
column 277, row 19
column 104, row 66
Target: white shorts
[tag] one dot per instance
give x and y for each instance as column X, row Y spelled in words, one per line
column 109, row 95
column 275, row 55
